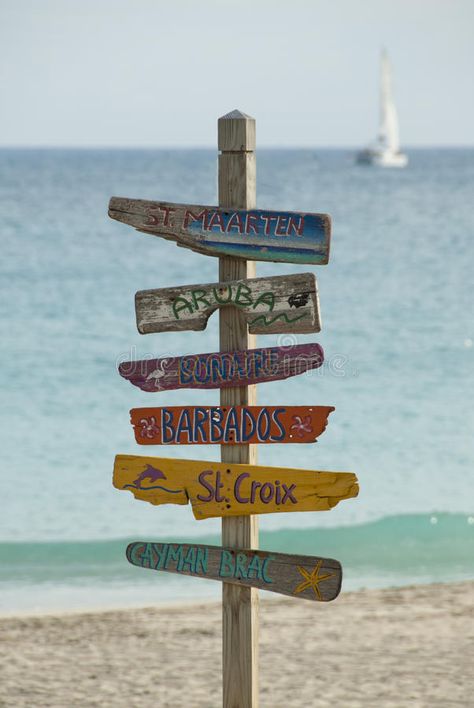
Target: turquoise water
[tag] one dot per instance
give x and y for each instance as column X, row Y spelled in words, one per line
column 397, row 550
column 398, row 332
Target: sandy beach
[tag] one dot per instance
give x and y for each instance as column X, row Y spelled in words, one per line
column 411, row 646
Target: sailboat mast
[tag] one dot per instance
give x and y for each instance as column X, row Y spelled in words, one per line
column 388, row 132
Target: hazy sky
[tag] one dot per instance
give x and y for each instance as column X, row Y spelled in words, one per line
column 154, row 72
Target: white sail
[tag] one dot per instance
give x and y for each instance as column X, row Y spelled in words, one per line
column 388, row 132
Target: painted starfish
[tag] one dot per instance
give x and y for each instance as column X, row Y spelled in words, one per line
column 312, row 580
column 149, row 428
column 302, row 426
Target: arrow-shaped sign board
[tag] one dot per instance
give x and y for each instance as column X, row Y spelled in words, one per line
column 222, row 369
column 303, row 577
column 226, row 489
column 283, row 303
column 229, row 425
column 258, row 235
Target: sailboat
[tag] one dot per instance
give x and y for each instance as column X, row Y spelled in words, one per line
column 385, row 152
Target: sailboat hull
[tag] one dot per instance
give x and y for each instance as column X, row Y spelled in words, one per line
column 385, row 158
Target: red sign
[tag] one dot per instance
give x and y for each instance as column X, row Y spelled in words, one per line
column 231, row 425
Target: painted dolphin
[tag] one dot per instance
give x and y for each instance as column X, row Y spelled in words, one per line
column 150, row 473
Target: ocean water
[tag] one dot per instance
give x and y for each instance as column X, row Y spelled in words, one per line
column 398, row 334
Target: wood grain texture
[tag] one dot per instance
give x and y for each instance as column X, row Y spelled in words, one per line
column 228, row 489
column 237, row 189
column 230, row 425
column 274, row 305
column 303, row 577
column 222, row 369
column 253, row 234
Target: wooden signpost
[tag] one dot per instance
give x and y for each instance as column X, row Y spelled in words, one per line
column 222, row 369
column 228, row 489
column 254, row 234
column 234, row 425
column 283, row 303
column 303, row 577
column 236, row 489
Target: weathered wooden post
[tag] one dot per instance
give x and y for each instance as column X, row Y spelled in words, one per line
column 236, row 489
column 237, row 190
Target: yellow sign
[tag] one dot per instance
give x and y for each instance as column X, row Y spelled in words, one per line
column 225, row 489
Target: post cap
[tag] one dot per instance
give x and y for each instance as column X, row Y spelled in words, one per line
column 236, row 132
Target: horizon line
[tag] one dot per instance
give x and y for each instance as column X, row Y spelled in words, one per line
column 270, row 146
